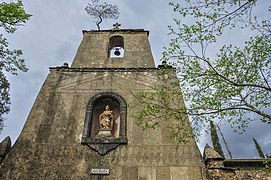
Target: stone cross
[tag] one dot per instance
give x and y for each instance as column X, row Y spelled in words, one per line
column 116, row 26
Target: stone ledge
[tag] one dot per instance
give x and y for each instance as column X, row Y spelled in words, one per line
column 100, row 69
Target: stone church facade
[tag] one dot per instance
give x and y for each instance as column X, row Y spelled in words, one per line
column 66, row 135
column 81, row 126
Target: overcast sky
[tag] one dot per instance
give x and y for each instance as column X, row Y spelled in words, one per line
column 52, row 37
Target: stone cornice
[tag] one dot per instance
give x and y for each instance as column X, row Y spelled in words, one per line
column 116, row 30
column 67, row 69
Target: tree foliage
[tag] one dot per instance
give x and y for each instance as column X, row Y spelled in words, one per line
column 229, row 83
column 102, row 11
column 266, row 167
column 12, row 15
column 163, row 105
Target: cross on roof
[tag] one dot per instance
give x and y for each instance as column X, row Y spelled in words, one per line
column 116, row 26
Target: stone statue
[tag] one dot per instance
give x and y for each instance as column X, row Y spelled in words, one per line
column 106, row 118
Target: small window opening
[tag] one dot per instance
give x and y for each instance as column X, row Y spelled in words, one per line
column 116, row 47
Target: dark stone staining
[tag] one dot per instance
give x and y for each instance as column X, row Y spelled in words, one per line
column 71, row 120
column 48, row 119
column 49, row 116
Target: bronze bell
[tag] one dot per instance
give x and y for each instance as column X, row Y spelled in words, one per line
column 117, row 52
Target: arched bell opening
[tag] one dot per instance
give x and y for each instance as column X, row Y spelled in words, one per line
column 116, row 47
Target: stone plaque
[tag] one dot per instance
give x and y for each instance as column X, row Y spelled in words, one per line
column 99, row 171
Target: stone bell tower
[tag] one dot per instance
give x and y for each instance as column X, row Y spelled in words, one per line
column 80, row 126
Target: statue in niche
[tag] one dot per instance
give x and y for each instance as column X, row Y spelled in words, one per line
column 106, row 118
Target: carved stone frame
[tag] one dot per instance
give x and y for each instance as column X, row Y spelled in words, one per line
column 106, row 144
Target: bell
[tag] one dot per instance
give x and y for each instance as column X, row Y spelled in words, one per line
column 117, row 52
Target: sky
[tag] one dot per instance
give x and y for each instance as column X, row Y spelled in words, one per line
column 52, row 37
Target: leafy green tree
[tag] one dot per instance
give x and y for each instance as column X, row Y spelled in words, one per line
column 12, row 15
column 231, row 84
column 102, row 11
column 266, row 167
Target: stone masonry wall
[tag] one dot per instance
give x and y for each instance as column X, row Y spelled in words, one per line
column 49, row 146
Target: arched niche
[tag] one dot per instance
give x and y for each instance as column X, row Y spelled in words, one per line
column 116, row 47
column 95, row 107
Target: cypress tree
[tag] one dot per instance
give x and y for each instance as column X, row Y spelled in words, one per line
column 259, row 149
column 215, row 139
column 225, row 142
